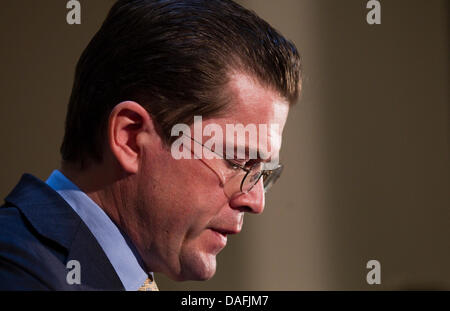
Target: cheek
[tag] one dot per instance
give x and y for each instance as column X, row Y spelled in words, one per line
column 193, row 181
column 188, row 193
column 182, row 197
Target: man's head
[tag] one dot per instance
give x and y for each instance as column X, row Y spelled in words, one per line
column 154, row 64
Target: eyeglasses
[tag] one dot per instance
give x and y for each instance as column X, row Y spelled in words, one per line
column 247, row 177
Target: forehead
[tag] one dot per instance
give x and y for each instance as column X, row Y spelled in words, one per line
column 250, row 103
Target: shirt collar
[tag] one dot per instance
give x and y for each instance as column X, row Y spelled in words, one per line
column 116, row 245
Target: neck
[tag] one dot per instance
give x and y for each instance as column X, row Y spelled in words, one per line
column 109, row 190
column 100, row 183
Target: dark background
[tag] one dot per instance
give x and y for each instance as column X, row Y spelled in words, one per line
column 366, row 148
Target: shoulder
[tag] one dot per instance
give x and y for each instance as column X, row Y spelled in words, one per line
column 40, row 234
column 27, row 260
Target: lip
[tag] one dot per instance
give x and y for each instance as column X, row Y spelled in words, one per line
column 225, row 231
column 220, row 236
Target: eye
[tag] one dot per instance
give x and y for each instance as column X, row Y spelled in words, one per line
column 235, row 165
column 250, row 163
column 239, row 164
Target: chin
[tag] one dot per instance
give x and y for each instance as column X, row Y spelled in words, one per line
column 201, row 267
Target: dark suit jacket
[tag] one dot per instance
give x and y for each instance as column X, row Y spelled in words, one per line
column 39, row 234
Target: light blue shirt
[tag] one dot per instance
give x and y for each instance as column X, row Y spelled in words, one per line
column 114, row 243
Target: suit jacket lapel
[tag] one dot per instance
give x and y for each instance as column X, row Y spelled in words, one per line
column 54, row 219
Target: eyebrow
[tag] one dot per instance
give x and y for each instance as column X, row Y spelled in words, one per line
column 253, row 150
column 246, row 148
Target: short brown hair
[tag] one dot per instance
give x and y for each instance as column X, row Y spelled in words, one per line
column 173, row 58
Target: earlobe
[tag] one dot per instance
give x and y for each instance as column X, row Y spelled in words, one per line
column 128, row 122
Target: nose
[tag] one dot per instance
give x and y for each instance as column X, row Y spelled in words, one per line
column 251, row 202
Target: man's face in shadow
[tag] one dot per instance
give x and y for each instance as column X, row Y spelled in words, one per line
column 183, row 216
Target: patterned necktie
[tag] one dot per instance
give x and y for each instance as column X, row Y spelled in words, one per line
column 149, row 285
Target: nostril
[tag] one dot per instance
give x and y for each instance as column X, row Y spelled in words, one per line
column 242, row 208
column 251, row 202
column 246, row 209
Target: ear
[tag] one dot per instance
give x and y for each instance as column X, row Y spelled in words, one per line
column 129, row 126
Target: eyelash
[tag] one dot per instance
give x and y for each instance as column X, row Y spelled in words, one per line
column 246, row 164
column 234, row 165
